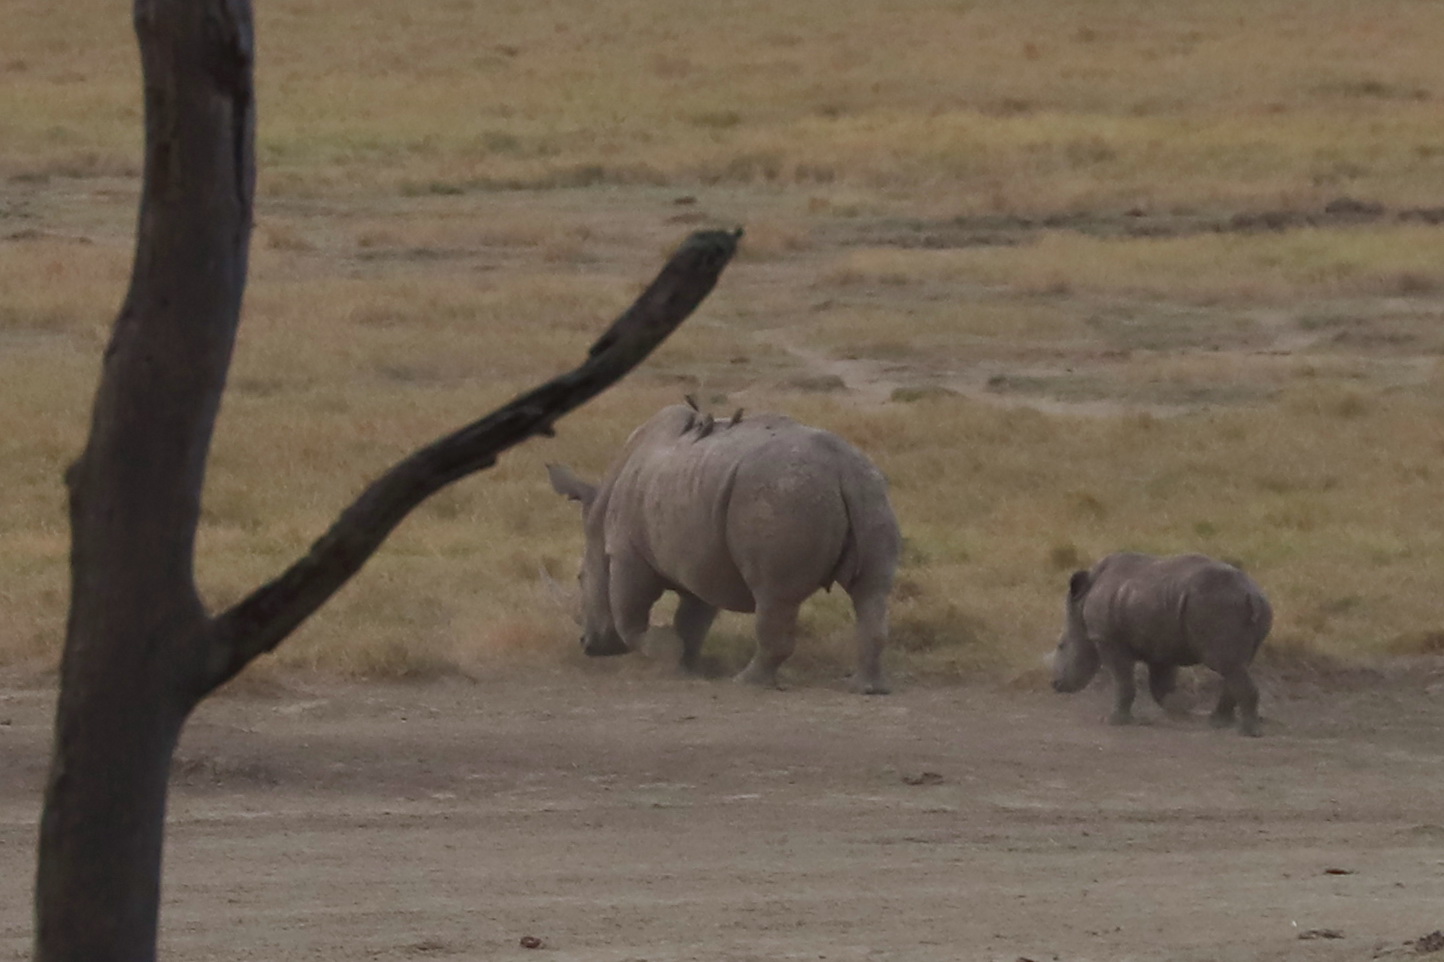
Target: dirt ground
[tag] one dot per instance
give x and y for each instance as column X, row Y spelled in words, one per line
column 616, row 812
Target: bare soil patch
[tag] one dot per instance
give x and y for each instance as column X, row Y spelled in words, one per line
column 616, row 813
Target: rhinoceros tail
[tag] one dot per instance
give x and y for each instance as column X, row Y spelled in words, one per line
column 1260, row 617
column 871, row 543
column 845, row 571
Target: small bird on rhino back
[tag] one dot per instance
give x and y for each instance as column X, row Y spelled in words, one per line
column 752, row 514
column 1167, row 613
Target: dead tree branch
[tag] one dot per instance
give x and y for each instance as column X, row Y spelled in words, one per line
column 259, row 623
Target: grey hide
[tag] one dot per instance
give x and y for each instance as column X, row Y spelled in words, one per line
column 1166, row 613
column 750, row 514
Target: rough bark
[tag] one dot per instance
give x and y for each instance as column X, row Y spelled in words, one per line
column 135, row 492
column 140, row 649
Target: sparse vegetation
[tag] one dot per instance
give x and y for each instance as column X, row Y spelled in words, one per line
column 1101, row 275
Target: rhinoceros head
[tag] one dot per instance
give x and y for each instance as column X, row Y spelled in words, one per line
column 599, row 631
column 1076, row 660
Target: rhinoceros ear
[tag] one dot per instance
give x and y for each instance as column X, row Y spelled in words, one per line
column 566, row 483
column 1079, row 584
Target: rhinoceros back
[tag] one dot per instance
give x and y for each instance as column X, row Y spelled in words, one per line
column 761, row 506
column 1183, row 609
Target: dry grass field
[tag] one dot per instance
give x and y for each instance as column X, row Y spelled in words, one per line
column 1079, row 275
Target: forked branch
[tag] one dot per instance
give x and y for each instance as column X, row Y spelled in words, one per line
column 259, row 623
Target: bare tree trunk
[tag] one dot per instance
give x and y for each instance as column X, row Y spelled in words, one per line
column 140, row 649
column 130, row 663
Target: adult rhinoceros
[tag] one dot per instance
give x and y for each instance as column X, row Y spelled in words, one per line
column 749, row 514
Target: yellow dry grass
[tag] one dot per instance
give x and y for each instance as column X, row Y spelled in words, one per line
column 1038, row 104
column 398, row 291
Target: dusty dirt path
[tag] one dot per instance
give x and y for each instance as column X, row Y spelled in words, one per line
column 871, row 381
column 619, row 815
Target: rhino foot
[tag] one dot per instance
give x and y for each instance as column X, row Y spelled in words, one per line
column 759, row 675
column 1250, row 727
column 1220, row 721
column 1120, row 718
column 869, row 686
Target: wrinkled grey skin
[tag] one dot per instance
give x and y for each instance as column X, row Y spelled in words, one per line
column 753, row 514
column 1166, row 613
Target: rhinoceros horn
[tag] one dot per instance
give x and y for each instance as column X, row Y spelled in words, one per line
column 565, row 600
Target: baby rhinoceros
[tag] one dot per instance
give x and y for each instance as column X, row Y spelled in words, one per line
column 751, row 514
column 1165, row 612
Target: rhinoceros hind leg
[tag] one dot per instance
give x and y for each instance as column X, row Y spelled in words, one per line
column 776, row 637
column 1223, row 712
column 1239, row 687
column 693, row 619
column 870, row 609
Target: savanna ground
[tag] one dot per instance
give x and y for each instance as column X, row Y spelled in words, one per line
column 1078, row 276
column 620, row 814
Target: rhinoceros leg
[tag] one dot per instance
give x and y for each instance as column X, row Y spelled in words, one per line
column 1222, row 715
column 870, row 609
column 1120, row 666
column 1238, row 688
column 693, row 619
column 776, row 637
column 634, row 589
